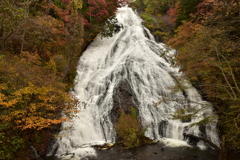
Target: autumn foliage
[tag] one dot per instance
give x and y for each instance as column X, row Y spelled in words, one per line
column 173, row 13
column 30, row 96
column 41, row 42
column 208, row 45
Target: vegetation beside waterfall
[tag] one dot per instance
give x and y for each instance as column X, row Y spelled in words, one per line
column 129, row 130
column 41, row 41
column 206, row 36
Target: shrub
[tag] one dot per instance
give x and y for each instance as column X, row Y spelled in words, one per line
column 129, row 130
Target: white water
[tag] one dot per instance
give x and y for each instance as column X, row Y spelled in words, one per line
column 134, row 56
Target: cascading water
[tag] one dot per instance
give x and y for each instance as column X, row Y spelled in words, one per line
column 133, row 56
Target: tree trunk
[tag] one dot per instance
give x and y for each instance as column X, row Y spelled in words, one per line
column 203, row 139
column 223, row 153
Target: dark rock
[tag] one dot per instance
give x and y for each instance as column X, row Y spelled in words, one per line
column 162, row 128
column 123, row 98
column 202, row 128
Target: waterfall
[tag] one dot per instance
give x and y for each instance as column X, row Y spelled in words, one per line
column 132, row 56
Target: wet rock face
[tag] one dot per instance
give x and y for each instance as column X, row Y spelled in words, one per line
column 123, row 99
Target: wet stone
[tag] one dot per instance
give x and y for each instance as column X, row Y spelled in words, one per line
column 123, row 98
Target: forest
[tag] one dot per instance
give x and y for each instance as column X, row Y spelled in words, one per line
column 42, row 40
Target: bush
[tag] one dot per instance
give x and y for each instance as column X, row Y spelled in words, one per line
column 130, row 131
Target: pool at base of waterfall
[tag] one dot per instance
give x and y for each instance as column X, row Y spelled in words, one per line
column 159, row 151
